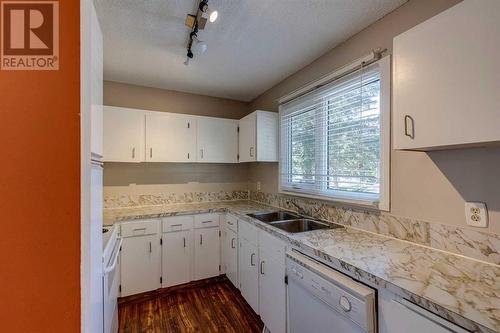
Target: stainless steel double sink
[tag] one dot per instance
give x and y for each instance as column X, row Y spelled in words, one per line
column 292, row 223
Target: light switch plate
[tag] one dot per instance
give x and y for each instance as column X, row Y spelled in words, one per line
column 476, row 214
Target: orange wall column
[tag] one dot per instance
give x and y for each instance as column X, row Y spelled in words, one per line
column 40, row 190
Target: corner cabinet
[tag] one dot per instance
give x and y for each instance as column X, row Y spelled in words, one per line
column 123, row 134
column 259, row 137
column 447, row 78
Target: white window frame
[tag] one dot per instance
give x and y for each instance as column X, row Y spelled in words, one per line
column 383, row 202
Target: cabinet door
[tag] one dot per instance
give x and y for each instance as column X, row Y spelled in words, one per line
column 140, row 264
column 206, row 253
column 123, row 135
column 447, row 78
column 249, row 274
column 176, row 258
column 170, row 138
column 231, row 256
column 247, row 139
column 267, row 136
column 272, row 292
column 217, row 140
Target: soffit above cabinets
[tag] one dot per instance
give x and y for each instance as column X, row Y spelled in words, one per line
column 252, row 46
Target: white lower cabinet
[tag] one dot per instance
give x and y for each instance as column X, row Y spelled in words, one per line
column 230, row 255
column 176, row 257
column 206, row 252
column 140, row 257
column 248, row 259
column 272, row 292
column 177, row 250
column 396, row 315
column 262, row 275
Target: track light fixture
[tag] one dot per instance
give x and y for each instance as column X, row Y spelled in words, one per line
column 197, row 22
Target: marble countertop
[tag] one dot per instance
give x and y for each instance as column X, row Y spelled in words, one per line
column 463, row 290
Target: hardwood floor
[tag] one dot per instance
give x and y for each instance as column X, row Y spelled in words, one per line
column 212, row 305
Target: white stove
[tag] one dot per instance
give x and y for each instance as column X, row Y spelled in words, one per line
column 111, row 277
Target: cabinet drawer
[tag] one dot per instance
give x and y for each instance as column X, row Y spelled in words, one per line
column 140, row 228
column 248, row 232
column 273, row 246
column 206, row 220
column 177, row 223
column 232, row 223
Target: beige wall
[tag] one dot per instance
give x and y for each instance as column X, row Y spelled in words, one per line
column 123, row 174
column 146, row 98
column 431, row 187
column 131, row 96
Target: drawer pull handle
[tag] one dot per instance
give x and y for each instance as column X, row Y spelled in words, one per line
column 262, row 267
column 138, row 229
column 232, row 243
column 207, row 222
column 409, row 128
column 150, row 248
column 133, row 153
column 201, row 239
column 229, row 222
column 251, row 259
column 151, row 152
column 184, row 241
column 251, row 151
column 176, row 225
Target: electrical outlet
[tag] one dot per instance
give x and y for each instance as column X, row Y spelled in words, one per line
column 476, row 214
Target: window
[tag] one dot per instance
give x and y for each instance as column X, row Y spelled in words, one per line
column 335, row 139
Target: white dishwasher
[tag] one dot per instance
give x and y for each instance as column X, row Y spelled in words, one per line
column 322, row 300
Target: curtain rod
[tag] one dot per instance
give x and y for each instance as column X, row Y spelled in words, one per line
column 374, row 56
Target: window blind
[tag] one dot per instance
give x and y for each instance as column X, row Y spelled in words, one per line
column 330, row 139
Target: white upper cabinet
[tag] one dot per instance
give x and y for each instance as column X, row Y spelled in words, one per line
column 123, row 133
column 447, row 79
column 217, row 140
column 170, row 137
column 259, row 137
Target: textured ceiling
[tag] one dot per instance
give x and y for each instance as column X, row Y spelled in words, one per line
column 252, row 46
